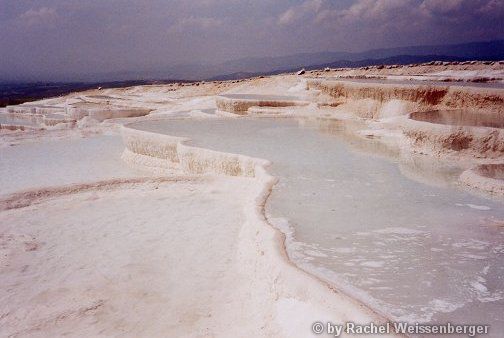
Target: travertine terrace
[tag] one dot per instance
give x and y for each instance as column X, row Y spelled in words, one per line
column 240, row 104
column 105, row 249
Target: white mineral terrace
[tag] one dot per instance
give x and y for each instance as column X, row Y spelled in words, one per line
column 436, row 258
column 255, row 207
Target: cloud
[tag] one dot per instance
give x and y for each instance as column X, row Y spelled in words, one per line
column 462, row 8
column 495, row 7
column 480, row 14
column 368, row 11
column 442, row 6
column 297, row 13
column 43, row 15
column 95, row 36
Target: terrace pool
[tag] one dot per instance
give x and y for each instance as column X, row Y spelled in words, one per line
column 397, row 234
column 459, row 117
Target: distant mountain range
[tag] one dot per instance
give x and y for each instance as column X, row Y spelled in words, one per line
column 240, row 68
column 394, row 60
column 246, row 67
column 15, row 93
column 490, row 51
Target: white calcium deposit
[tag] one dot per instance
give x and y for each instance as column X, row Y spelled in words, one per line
column 151, row 235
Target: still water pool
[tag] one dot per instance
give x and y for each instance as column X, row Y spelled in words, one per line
column 396, row 233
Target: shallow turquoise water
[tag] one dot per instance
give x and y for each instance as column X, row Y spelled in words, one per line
column 49, row 163
column 398, row 234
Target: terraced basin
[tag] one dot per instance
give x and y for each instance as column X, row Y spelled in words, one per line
column 240, row 103
column 495, row 171
column 460, row 117
column 411, row 249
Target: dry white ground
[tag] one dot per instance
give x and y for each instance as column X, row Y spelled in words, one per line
column 138, row 260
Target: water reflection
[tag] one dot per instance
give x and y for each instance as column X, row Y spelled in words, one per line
column 459, row 117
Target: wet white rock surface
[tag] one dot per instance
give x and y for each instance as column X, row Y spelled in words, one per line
column 50, row 163
column 411, row 250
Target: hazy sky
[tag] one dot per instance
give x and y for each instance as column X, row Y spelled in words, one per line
column 49, row 38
